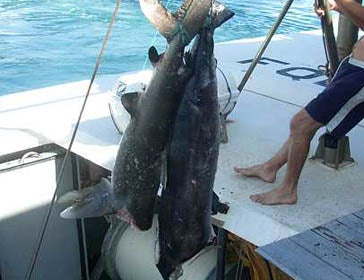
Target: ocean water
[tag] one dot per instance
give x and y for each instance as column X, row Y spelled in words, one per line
column 48, row 42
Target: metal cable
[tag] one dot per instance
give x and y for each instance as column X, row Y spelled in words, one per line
column 46, row 220
column 228, row 88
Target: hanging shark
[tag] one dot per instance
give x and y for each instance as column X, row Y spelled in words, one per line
column 185, row 207
column 135, row 180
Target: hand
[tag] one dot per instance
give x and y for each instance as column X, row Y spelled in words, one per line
column 332, row 6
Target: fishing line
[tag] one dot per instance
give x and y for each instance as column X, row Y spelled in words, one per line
column 152, row 42
column 61, row 172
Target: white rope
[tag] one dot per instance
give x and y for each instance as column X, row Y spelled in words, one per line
column 61, row 172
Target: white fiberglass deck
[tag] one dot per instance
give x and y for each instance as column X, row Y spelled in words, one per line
column 287, row 79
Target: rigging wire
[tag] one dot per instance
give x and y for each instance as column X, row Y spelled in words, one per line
column 61, row 172
column 152, row 43
column 228, row 88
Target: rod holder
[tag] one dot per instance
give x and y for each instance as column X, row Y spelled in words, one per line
column 333, row 153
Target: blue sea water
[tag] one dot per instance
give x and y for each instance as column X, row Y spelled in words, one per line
column 48, row 42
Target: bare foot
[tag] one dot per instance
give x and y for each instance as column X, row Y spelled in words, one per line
column 277, row 196
column 261, row 171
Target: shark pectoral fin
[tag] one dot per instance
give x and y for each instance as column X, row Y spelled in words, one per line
column 73, row 196
column 130, row 102
column 93, row 201
column 217, row 206
column 190, row 55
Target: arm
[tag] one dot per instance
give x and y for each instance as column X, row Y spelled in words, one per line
column 351, row 9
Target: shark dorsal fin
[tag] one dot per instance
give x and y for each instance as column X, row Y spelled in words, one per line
column 153, row 55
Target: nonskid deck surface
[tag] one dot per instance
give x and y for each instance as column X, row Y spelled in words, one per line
column 286, row 78
column 331, row 251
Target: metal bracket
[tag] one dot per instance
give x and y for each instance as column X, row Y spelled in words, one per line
column 333, row 153
column 221, row 252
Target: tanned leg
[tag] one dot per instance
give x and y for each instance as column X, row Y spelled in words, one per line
column 266, row 171
column 302, row 129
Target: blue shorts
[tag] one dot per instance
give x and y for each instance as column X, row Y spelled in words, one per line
column 341, row 105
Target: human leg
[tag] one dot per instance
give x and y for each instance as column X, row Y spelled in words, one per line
column 302, row 128
column 340, row 107
column 267, row 171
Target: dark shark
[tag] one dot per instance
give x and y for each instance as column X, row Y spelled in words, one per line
column 185, row 207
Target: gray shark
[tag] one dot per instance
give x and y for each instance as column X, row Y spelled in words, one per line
column 136, row 174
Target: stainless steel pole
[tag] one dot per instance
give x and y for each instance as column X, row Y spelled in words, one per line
column 264, row 45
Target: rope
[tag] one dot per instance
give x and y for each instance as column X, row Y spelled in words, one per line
column 184, row 33
column 59, row 177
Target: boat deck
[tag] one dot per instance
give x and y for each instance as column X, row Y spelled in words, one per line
column 331, row 251
column 286, row 78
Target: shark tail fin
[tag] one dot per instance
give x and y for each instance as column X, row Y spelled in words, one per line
column 93, row 201
column 189, row 19
column 220, row 14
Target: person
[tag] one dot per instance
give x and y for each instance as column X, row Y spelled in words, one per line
column 339, row 107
